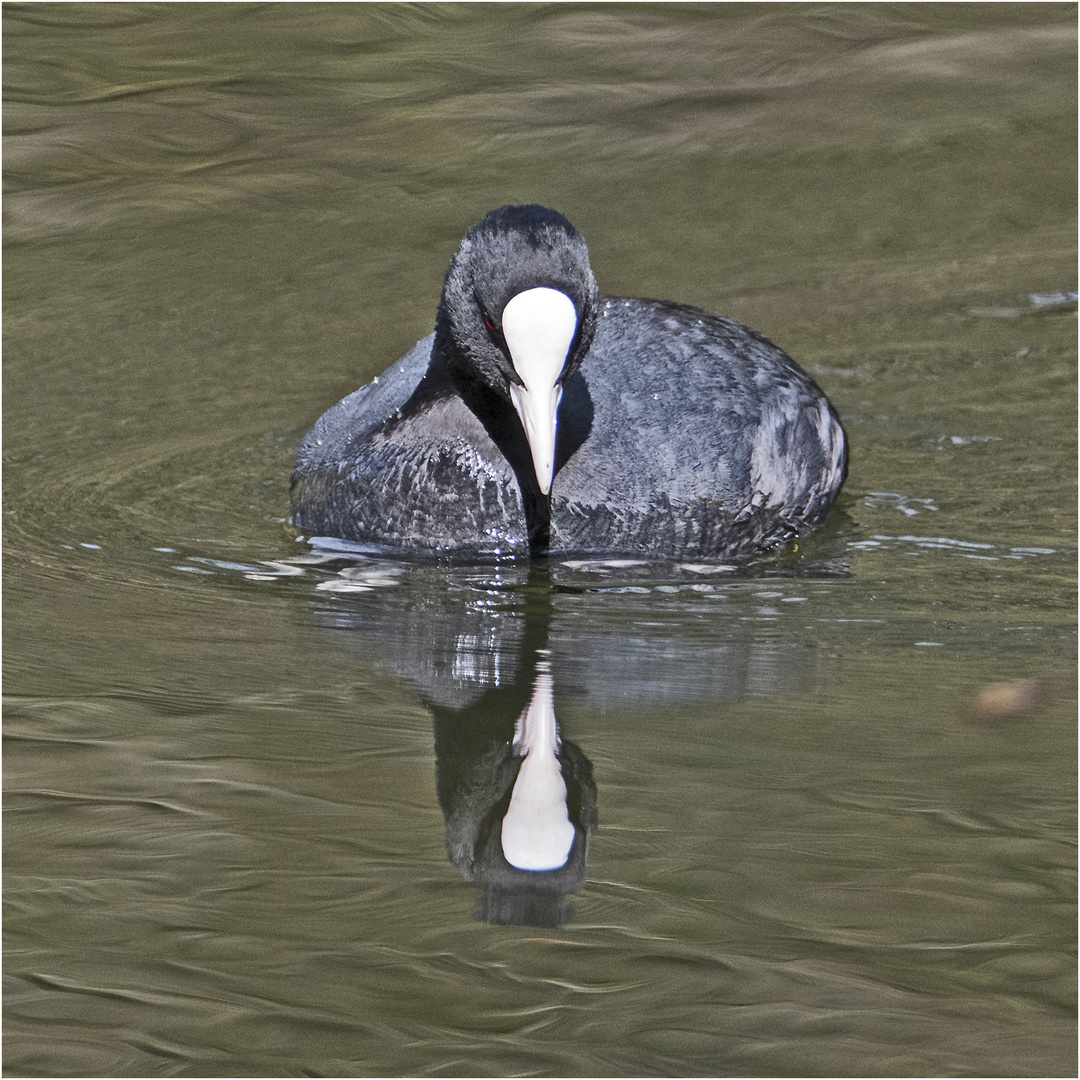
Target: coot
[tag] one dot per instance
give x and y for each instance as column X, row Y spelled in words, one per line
column 543, row 417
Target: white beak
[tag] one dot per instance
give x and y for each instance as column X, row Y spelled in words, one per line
column 538, row 326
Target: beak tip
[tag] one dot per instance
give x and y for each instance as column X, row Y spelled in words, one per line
column 545, row 477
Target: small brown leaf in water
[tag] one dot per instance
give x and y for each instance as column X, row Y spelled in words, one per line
column 998, row 701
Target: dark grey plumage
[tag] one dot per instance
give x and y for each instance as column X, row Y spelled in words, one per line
column 680, row 433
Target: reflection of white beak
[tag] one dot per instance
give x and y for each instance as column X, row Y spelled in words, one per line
column 538, row 326
column 537, row 833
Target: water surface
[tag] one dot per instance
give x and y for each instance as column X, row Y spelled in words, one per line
column 829, row 798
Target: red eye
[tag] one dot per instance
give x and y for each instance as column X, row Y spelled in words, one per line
column 488, row 322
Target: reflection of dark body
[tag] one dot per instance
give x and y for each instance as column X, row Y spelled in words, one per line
column 476, row 768
column 479, row 760
column 478, row 645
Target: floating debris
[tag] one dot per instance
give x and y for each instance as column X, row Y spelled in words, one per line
column 999, row 701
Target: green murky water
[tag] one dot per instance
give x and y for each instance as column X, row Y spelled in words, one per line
column 834, row 799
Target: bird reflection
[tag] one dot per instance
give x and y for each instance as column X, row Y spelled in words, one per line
column 490, row 651
column 519, row 800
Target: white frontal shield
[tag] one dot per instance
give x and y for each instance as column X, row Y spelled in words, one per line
column 538, row 326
